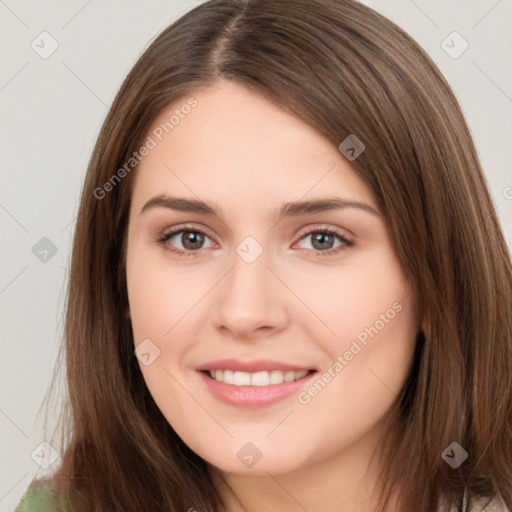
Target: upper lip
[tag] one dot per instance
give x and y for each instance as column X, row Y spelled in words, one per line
column 259, row 365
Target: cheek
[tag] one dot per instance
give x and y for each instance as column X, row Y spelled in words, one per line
column 340, row 302
column 372, row 307
column 160, row 297
column 159, row 294
column 368, row 363
column 369, row 311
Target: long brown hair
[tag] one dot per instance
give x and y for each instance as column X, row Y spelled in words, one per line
column 344, row 69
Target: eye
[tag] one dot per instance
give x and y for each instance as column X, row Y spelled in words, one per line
column 190, row 238
column 323, row 240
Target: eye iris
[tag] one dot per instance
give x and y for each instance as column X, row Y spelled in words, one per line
column 192, row 240
column 322, row 240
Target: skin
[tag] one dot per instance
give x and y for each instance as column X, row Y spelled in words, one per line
column 293, row 304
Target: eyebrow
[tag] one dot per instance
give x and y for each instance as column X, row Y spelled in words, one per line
column 290, row 209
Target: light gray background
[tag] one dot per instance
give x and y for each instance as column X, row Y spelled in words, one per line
column 52, row 110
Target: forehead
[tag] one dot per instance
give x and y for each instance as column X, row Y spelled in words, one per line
column 230, row 144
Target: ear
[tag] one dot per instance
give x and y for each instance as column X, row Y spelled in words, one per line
column 127, row 313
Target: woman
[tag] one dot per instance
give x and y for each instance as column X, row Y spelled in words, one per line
column 289, row 288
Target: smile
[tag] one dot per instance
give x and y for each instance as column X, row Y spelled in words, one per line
column 263, row 378
column 253, row 384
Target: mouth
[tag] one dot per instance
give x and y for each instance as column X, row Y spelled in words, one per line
column 253, row 384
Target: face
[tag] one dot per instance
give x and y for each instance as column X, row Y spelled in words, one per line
column 300, row 311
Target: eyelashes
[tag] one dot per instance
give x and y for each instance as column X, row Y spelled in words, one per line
column 163, row 239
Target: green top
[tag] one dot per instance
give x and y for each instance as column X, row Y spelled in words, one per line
column 40, row 497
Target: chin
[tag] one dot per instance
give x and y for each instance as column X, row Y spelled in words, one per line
column 257, row 459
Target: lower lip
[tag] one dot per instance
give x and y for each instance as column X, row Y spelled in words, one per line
column 253, row 396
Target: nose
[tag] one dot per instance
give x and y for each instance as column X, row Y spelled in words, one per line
column 251, row 301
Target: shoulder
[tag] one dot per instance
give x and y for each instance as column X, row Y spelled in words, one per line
column 481, row 504
column 489, row 505
column 41, row 497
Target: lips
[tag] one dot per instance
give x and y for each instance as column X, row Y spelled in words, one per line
column 252, row 366
column 253, row 383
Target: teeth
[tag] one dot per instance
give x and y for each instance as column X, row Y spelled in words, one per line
column 255, row 379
